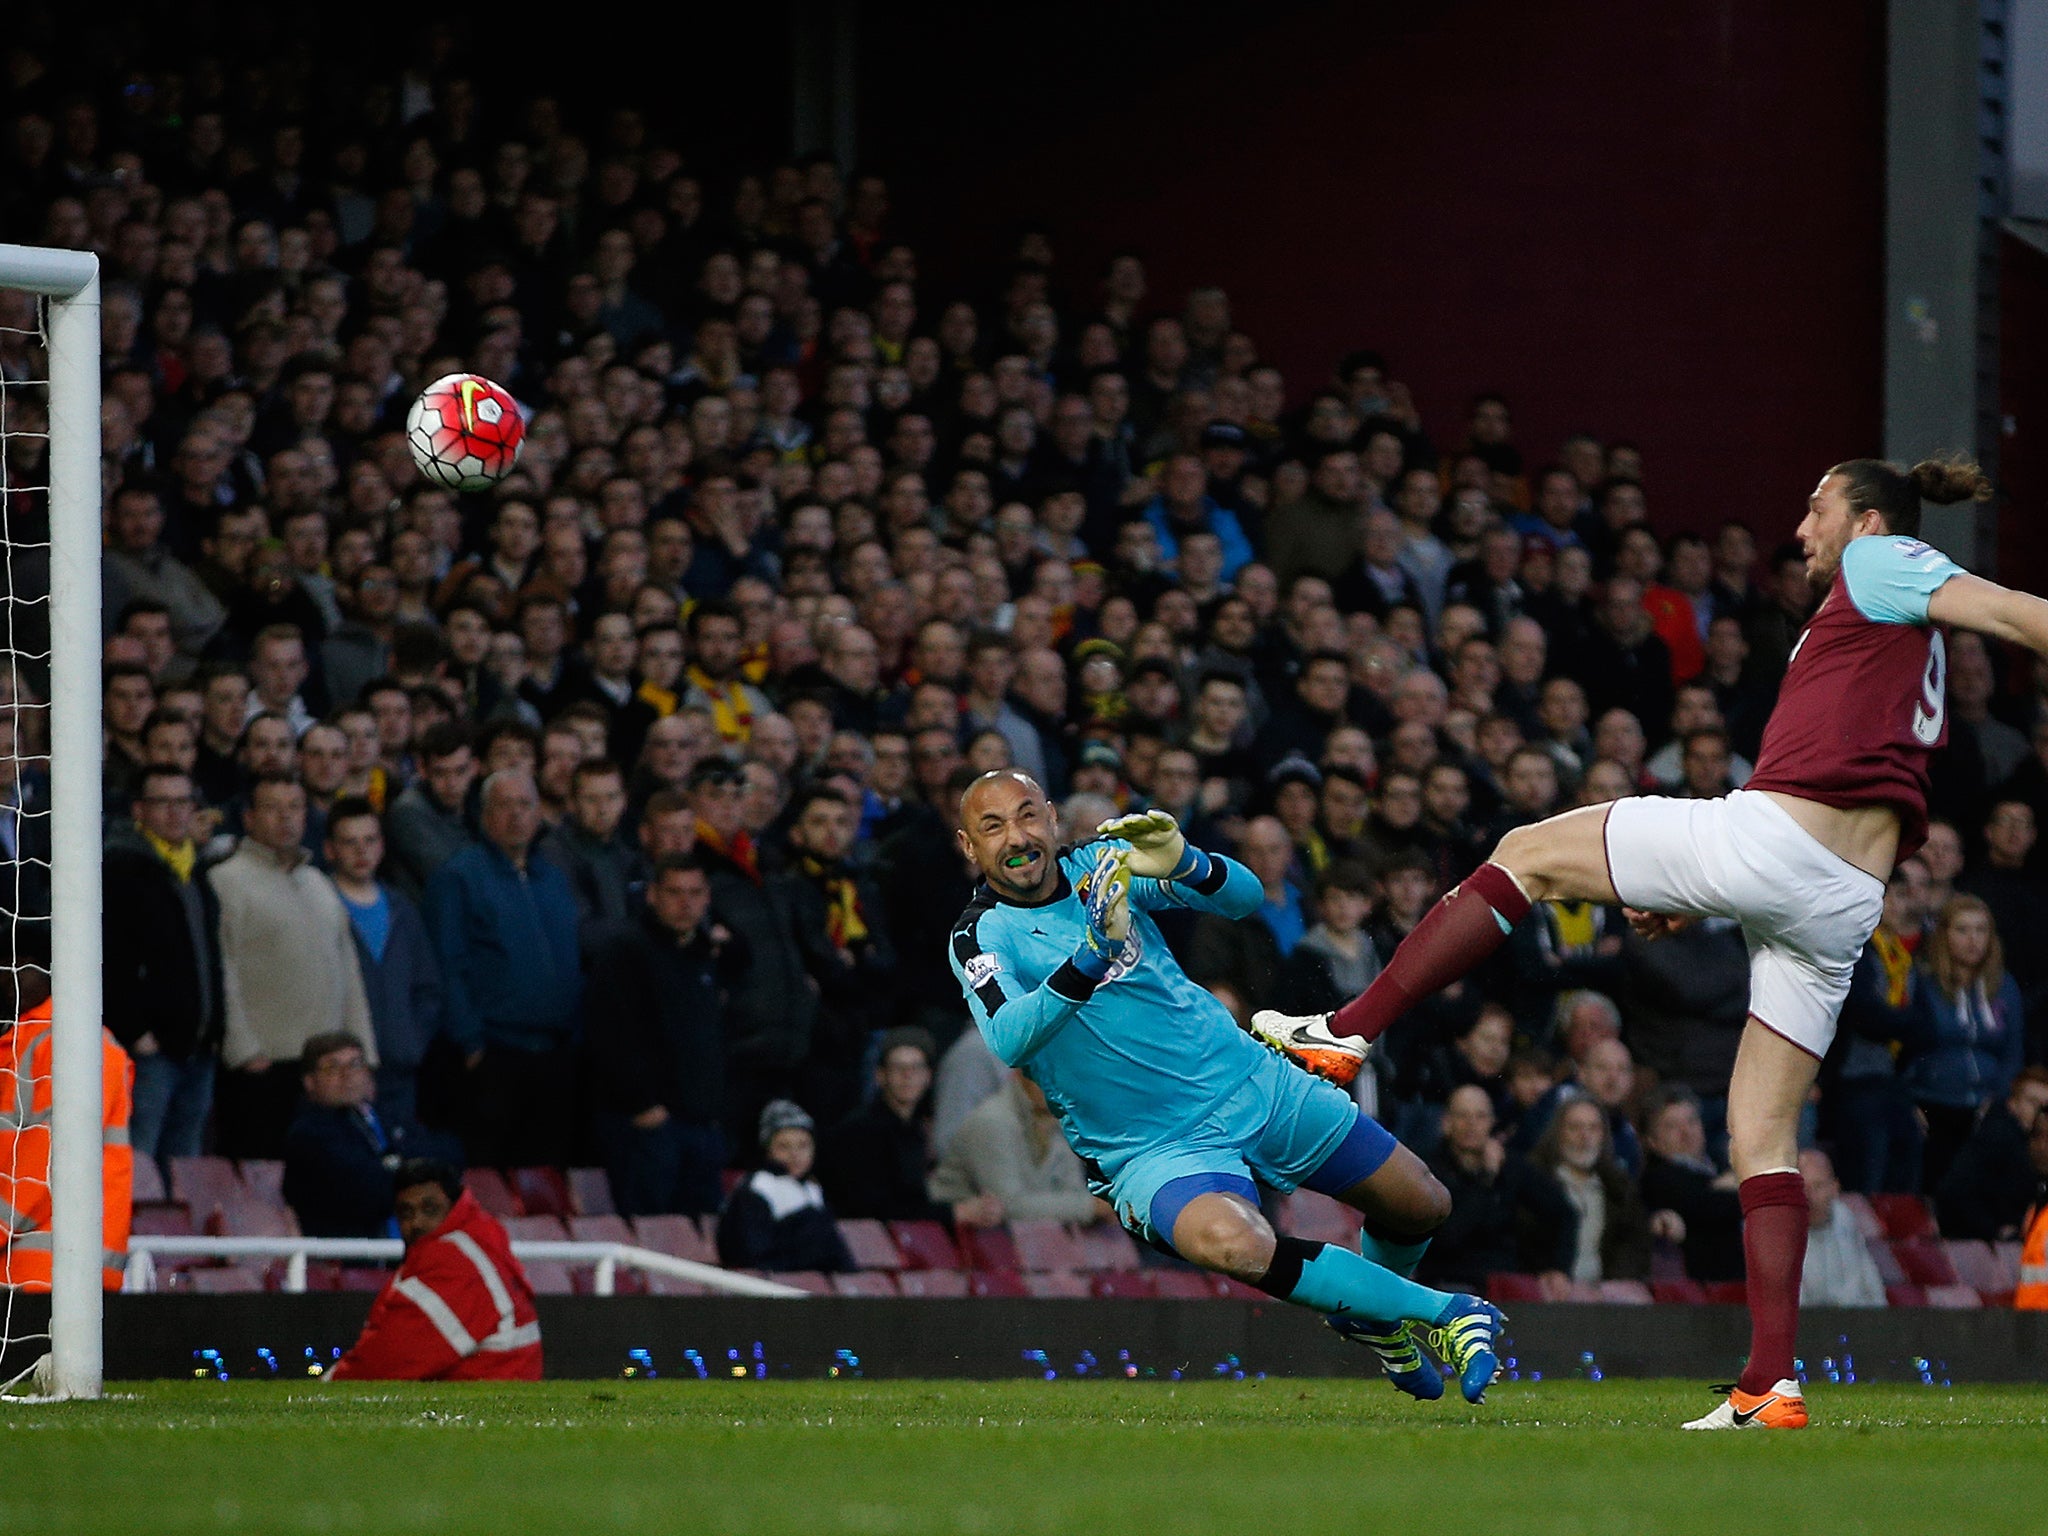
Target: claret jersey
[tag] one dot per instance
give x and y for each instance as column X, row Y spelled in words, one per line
column 1864, row 703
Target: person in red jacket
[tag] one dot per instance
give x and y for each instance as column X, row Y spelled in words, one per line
column 460, row 1307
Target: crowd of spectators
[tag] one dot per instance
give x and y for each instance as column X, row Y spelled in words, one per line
column 608, row 816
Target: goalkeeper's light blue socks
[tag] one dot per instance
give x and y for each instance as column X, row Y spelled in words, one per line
column 1346, row 1284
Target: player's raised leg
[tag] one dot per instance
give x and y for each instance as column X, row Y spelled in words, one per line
column 1564, row 858
column 1770, row 1084
column 1222, row 1229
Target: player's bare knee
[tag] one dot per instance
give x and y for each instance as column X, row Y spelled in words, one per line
column 1521, row 853
column 1433, row 1205
column 1225, row 1236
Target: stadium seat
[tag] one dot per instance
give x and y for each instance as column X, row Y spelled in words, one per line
column 600, row 1229
column 1318, row 1219
column 1235, row 1290
column 161, row 1218
column 677, row 1236
column 1728, row 1293
column 669, row 1285
column 802, row 1279
column 1057, row 1285
column 1976, row 1265
column 364, row 1277
column 1888, row 1270
column 1105, row 1245
column 626, row 1280
column 869, row 1243
column 1046, row 1245
column 1682, row 1293
column 321, row 1275
column 549, row 1278
column 1904, row 1216
column 264, row 1176
column 988, row 1248
column 1503, row 1286
column 590, row 1192
column 934, row 1283
column 204, row 1184
column 924, row 1245
column 1667, row 1261
column 867, row 1282
column 249, row 1213
column 1179, row 1285
column 540, row 1191
column 536, row 1229
column 1954, row 1298
column 1626, row 1293
column 228, row 1280
column 996, row 1282
column 1125, row 1284
column 1905, row 1296
column 1583, row 1291
column 1925, row 1262
column 149, row 1182
column 489, row 1189
column 1867, row 1221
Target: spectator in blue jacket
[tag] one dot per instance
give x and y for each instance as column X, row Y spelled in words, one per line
column 1977, row 1030
column 504, row 924
column 400, row 976
column 1184, row 506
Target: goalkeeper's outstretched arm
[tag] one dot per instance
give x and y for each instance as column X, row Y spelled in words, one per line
column 1169, row 871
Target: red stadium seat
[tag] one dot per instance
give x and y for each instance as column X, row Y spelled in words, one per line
column 1925, row 1262
column 1905, row 1296
column 1728, row 1293
column 1318, row 1219
column 996, row 1282
column 802, row 1279
column 1683, row 1293
column 988, row 1248
column 590, row 1192
column 1904, row 1216
column 626, row 1280
column 536, row 1229
column 2008, row 1256
column 264, row 1176
column 1977, row 1265
column 1502, row 1286
column 870, row 1244
column 1126, row 1284
column 1046, row 1245
column 541, row 1191
column 1057, row 1285
column 321, row 1275
column 924, row 1245
column 934, row 1283
column 488, row 1188
column 600, row 1229
column 548, row 1277
column 1625, row 1293
column 1954, row 1298
column 229, row 1279
column 669, row 1285
column 162, row 1218
column 1106, row 1245
column 677, row 1236
column 1180, row 1285
column 867, row 1282
column 149, row 1183
column 364, row 1277
column 204, row 1185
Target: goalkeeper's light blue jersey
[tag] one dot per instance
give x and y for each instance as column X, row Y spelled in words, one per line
column 1142, row 1059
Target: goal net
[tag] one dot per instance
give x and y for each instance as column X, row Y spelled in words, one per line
column 52, row 1254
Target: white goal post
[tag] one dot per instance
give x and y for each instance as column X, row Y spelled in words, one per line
column 70, row 283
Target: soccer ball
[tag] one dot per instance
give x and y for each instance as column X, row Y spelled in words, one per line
column 465, row 432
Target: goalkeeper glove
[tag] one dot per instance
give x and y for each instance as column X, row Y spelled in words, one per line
column 1106, row 909
column 1158, row 850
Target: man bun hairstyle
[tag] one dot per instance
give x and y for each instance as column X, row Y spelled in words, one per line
column 1895, row 494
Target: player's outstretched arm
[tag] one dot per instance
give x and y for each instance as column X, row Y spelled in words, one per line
column 1971, row 602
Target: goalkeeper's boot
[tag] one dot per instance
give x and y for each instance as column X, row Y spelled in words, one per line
column 1307, row 1040
column 1783, row 1407
column 1399, row 1353
column 1467, row 1339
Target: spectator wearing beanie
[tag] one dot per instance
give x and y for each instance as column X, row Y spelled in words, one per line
column 777, row 1218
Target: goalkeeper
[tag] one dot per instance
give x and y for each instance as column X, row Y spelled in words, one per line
column 1170, row 1105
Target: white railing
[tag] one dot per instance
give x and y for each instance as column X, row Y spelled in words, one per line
column 605, row 1258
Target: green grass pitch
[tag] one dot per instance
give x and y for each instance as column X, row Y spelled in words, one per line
column 1112, row 1458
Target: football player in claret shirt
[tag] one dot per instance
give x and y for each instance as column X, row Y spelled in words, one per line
column 1799, row 856
column 1170, row 1105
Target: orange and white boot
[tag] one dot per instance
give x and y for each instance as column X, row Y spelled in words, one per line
column 1783, row 1407
column 1307, row 1041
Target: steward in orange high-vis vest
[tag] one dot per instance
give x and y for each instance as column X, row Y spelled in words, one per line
column 25, row 1239
column 2033, row 1291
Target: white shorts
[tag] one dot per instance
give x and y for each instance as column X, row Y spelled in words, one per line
column 1806, row 912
